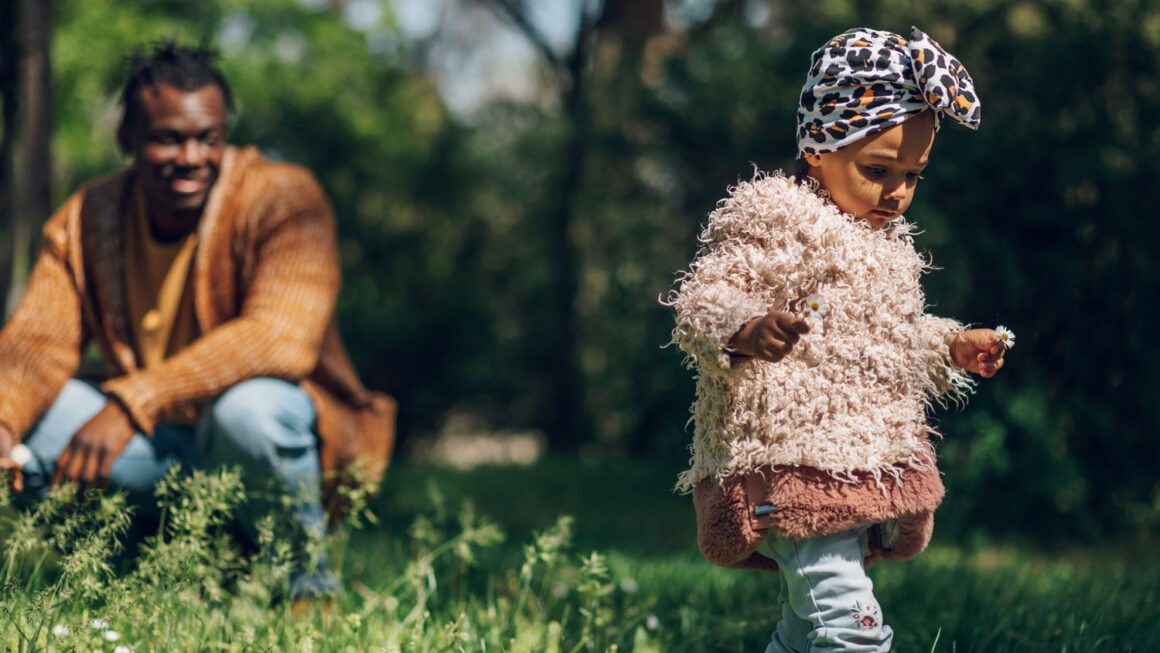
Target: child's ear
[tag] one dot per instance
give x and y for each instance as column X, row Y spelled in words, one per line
column 814, row 160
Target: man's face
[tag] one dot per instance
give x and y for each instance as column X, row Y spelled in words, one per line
column 177, row 143
column 874, row 179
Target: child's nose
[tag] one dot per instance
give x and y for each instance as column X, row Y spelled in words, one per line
column 895, row 190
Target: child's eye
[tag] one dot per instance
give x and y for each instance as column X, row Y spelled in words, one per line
column 875, row 171
column 915, row 176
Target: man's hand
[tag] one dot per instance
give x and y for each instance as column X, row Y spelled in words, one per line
column 15, row 477
column 771, row 337
column 89, row 457
column 978, row 350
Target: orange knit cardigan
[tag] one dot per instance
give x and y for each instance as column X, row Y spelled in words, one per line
column 265, row 275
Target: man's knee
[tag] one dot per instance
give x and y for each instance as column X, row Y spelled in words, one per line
column 261, row 420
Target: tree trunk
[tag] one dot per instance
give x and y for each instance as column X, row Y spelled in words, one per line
column 28, row 171
column 570, row 423
column 633, row 22
column 9, row 54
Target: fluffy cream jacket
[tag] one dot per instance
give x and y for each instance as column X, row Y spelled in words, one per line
column 847, row 408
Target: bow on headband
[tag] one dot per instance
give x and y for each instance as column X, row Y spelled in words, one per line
column 864, row 81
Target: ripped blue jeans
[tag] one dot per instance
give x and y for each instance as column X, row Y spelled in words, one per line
column 827, row 600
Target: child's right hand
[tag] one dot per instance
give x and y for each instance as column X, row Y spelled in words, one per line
column 771, row 337
column 977, row 350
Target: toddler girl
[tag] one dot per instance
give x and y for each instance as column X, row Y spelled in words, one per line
column 805, row 320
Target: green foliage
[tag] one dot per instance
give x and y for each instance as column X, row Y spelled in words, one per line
column 1035, row 220
column 455, row 582
column 191, row 587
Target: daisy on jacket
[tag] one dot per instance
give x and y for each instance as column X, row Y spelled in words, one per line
column 816, row 306
column 815, row 466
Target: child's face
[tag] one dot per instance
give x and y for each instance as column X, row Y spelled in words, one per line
column 873, row 179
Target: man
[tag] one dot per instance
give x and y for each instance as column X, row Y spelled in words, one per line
column 207, row 277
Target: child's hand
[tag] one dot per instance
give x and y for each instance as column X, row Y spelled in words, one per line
column 978, row 350
column 771, row 337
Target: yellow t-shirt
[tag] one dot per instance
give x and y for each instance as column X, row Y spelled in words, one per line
column 159, row 290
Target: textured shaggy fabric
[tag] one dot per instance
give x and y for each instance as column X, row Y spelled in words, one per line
column 809, row 503
column 265, row 277
column 853, row 394
column 836, row 433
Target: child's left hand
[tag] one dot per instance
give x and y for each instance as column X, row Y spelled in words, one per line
column 978, row 350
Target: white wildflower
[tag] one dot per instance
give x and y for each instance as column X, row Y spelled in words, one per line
column 99, row 623
column 1007, row 336
column 122, row 649
column 652, row 622
column 816, row 306
column 628, row 585
column 60, row 630
column 20, row 454
column 112, row 635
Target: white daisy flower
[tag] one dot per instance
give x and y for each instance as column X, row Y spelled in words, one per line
column 652, row 622
column 20, row 454
column 628, row 585
column 60, row 630
column 99, row 623
column 816, row 306
column 1006, row 335
column 122, row 649
column 112, row 635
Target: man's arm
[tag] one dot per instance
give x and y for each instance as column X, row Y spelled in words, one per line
column 40, row 346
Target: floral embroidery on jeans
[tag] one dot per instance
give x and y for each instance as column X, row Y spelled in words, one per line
column 866, row 616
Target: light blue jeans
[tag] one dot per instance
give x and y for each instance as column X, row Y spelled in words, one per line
column 264, row 426
column 827, row 600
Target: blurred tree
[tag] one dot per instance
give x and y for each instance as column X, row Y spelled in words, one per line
column 9, row 55
column 566, row 423
column 25, row 169
column 619, row 22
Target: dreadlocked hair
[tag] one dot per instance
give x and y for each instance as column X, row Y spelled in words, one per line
column 184, row 67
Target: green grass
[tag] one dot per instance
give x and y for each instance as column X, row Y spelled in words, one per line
column 622, row 573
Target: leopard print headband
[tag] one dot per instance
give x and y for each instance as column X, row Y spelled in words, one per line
column 864, row 81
